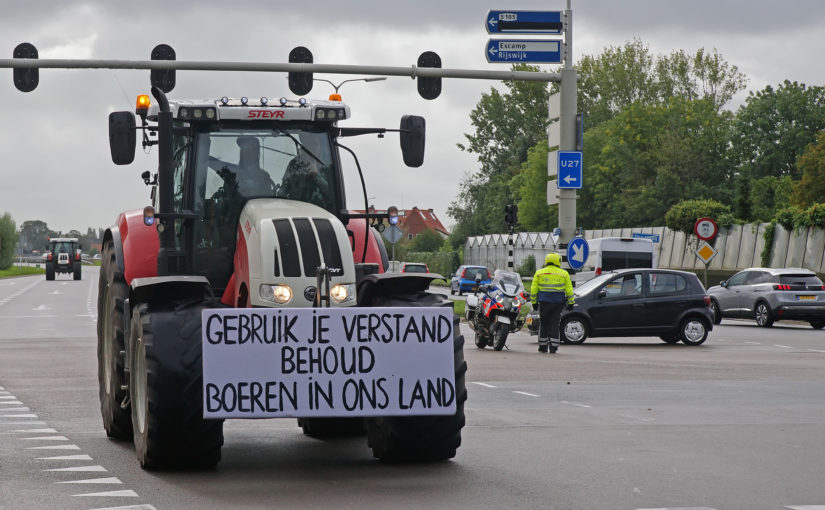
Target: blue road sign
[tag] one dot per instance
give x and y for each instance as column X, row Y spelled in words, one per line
column 643, row 235
column 523, row 50
column 577, row 252
column 524, row 22
column 569, row 175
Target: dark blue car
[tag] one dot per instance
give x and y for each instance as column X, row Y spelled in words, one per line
column 464, row 280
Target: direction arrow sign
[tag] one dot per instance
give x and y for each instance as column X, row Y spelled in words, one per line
column 577, row 252
column 570, row 170
column 524, row 22
column 523, row 50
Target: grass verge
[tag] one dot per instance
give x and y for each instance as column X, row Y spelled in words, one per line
column 15, row 271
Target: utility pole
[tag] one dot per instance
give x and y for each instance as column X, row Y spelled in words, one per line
column 567, row 142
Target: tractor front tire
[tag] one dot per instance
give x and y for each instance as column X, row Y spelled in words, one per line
column 76, row 270
column 50, row 270
column 166, row 387
column 111, row 374
column 421, row 438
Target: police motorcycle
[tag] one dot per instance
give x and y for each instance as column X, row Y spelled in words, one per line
column 492, row 310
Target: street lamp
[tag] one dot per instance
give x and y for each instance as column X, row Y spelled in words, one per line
column 336, row 87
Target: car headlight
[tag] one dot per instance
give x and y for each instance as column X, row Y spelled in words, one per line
column 279, row 293
column 341, row 293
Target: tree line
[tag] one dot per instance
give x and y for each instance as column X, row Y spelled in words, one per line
column 658, row 135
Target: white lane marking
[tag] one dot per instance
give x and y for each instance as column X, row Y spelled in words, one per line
column 751, row 343
column 19, row 292
column 67, row 457
column 54, row 292
column 37, row 431
column 645, row 420
column 25, row 409
column 110, row 480
column 40, row 308
column 680, row 508
column 483, row 384
column 110, row 494
column 10, row 402
column 45, row 438
column 19, row 416
column 806, row 507
column 90, row 306
column 18, row 423
column 30, row 316
column 55, row 447
column 77, row 469
column 574, row 404
column 815, row 350
column 130, row 507
column 8, row 397
column 783, row 346
column 525, row 393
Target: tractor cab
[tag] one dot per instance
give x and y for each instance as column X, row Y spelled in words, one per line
column 231, row 170
column 63, row 257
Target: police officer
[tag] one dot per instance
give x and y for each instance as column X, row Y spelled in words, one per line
column 551, row 290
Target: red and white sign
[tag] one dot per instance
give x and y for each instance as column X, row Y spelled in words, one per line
column 705, row 229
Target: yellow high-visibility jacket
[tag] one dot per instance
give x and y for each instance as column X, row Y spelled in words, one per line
column 551, row 284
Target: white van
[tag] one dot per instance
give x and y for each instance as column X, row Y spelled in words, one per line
column 609, row 253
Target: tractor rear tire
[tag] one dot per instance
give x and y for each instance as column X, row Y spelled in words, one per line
column 50, row 270
column 111, row 373
column 76, row 270
column 166, row 387
column 332, row 427
column 421, row 438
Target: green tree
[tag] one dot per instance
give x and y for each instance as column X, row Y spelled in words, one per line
column 630, row 74
column 811, row 188
column 530, row 189
column 774, row 126
column 649, row 157
column 682, row 216
column 768, row 195
column 8, row 241
column 505, row 126
column 36, row 234
column 427, row 241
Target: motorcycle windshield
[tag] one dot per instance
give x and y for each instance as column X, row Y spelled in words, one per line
column 509, row 283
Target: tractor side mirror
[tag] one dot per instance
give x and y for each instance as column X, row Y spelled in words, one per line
column 122, row 137
column 412, row 137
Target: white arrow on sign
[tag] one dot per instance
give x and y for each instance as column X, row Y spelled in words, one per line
column 578, row 253
column 568, row 179
column 493, row 50
column 493, row 22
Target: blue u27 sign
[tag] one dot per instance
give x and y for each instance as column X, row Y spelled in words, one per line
column 523, row 50
column 577, row 252
column 570, row 170
column 524, row 22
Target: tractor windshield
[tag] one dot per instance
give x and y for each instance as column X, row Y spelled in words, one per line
column 62, row 247
column 293, row 162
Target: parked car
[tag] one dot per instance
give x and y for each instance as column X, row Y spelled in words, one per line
column 768, row 295
column 414, row 267
column 666, row 303
column 464, row 279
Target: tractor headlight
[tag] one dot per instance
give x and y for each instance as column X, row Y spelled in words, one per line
column 281, row 294
column 341, row 293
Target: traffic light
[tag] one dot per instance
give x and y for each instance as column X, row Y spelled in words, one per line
column 300, row 83
column 429, row 88
column 26, row 79
column 511, row 214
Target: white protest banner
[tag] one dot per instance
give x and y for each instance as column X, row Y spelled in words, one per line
column 314, row 362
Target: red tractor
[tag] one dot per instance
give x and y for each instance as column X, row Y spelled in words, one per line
column 248, row 212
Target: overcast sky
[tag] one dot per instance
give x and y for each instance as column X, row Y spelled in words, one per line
column 54, row 141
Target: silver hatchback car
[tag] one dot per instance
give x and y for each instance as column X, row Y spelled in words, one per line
column 768, row 295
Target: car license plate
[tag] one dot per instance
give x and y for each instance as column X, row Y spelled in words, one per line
column 806, row 298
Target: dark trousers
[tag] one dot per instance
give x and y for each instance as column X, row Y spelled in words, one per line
column 549, row 315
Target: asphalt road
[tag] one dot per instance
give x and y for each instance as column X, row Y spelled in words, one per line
column 737, row 423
